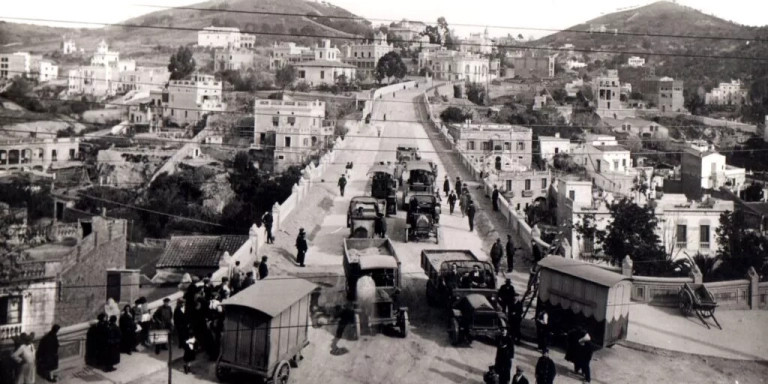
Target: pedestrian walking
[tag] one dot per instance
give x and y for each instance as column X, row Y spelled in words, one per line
column 162, row 319
column 223, row 289
column 505, row 352
column 497, row 252
column 237, row 277
column 510, row 248
column 516, row 320
column 342, row 185
column 471, row 215
column 380, row 225
column 584, row 356
column 188, row 346
column 142, row 316
column 24, row 356
column 111, row 308
column 181, row 322
column 452, row 201
column 301, row 247
column 249, row 280
column 264, row 268
column 457, row 187
column 128, row 329
column 112, row 355
column 507, row 296
column 48, row 354
column 519, row 378
column 495, row 198
column 268, row 220
column 545, row 369
column 542, row 329
column 446, row 185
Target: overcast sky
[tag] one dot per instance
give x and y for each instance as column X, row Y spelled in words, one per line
column 527, row 14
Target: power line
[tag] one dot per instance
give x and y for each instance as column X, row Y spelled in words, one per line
column 505, row 46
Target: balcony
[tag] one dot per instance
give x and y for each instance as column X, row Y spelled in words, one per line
column 528, row 193
column 704, row 245
column 10, row 331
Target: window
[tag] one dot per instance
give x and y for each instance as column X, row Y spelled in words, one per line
column 624, row 163
column 572, row 195
column 10, row 310
column 521, row 146
column 509, row 185
column 322, row 74
column 287, row 142
column 262, row 138
column 486, row 146
column 681, row 236
column 544, row 183
column 470, row 145
column 615, row 165
column 71, row 153
column 291, row 120
column 275, row 121
column 54, row 155
column 704, row 236
column 302, row 74
column 527, row 184
column 507, row 146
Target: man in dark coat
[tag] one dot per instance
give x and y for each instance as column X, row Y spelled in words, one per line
column 457, row 186
column 452, row 201
column 542, row 329
column 572, row 347
column 342, row 185
column 127, row 331
column 112, row 351
column 163, row 319
column 497, row 252
column 516, row 320
column 48, row 354
column 249, row 280
column 545, row 369
column 95, row 339
column 495, row 198
column 471, row 215
column 519, row 378
column 507, row 296
column 301, row 247
column 380, row 225
column 268, row 220
column 505, row 352
column 264, row 267
column 510, row 253
column 584, row 357
column 446, row 186
column 181, row 322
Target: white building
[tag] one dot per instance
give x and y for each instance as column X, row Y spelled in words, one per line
column 294, row 130
column 637, row 127
column 288, row 53
column 602, row 153
column 192, row 98
column 366, row 55
column 707, row 170
column 549, row 146
column 635, row 61
column 456, row 66
column 608, row 93
column 95, row 80
column 327, row 72
column 44, row 70
column 68, row 47
column 143, row 79
column 726, row 94
column 104, row 56
column 479, row 43
column 15, row 64
column 575, row 64
column 409, row 32
column 219, row 37
column 233, row 59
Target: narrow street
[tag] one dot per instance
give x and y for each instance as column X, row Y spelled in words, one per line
column 426, row 355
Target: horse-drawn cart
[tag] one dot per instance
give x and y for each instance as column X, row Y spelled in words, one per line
column 696, row 298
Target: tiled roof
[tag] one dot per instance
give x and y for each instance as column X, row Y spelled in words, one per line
column 199, row 251
column 324, row 63
column 611, row 148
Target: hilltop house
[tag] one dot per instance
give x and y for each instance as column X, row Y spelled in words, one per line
column 192, row 98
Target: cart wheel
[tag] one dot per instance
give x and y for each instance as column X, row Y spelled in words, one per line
column 686, row 303
column 404, row 324
column 282, row 373
column 454, row 331
column 222, row 373
column 356, row 336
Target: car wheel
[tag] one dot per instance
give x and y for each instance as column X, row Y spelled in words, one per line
column 282, row 373
column 454, row 331
column 404, row 324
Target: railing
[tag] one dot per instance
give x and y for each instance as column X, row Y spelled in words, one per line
column 10, row 331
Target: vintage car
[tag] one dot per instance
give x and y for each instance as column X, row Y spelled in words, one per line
column 265, row 328
column 465, row 286
column 362, row 214
column 384, row 186
column 422, row 218
column 416, row 177
column 407, row 152
column 375, row 258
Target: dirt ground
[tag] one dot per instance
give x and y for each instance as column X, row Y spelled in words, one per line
column 426, row 355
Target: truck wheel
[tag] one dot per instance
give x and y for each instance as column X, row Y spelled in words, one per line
column 406, row 235
column 356, row 336
column 454, row 331
column 222, row 373
column 282, row 373
column 404, row 324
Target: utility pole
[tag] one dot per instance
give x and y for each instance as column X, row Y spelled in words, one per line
column 170, row 358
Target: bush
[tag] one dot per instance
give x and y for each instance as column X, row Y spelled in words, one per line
column 302, row 86
column 454, row 115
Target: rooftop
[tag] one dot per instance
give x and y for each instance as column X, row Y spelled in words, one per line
column 611, row 148
column 199, row 251
column 324, row 64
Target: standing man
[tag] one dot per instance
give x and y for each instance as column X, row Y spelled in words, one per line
column 519, row 378
column 545, row 369
column 24, row 356
column 301, row 247
column 342, row 184
column 457, row 186
column 380, row 225
column 584, row 357
column 237, row 277
column 181, row 322
column 452, row 200
column 507, row 296
column 163, row 319
column 268, row 220
column 505, row 352
column 497, row 252
column 264, row 268
column 447, row 185
column 471, row 215
column 516, row 319
column 510, row 254
column 48, row 354
column 495, row 198
column 542, row 329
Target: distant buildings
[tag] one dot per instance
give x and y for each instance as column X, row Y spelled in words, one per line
column 726, row 94
column 286, row 53
column 529, row 65
column 43, row 70
column 602, row 153
column 607, row 90
column 231, row 58
column 703, row 170
column 507, row 147
column 290, row 130
column 15, row 64
column 636, row 62
column 103, row 56
column 143, row 79
column 549, row 146
column 37, row 154
column 665, row 93
column 575, row 64
column 68, row 47
column 366, row 55
column 409, row 32
column 192, row 98
column 479, row 43
column 637, row 127
column 103, row 76
column 457, row 66
column 223, row 37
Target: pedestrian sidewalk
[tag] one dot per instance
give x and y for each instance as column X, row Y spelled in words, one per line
column 743, row 336
column 132, row 368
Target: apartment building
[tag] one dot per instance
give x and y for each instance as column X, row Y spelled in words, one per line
column 730, row 93
column 457, row 66
column 192, row 98
column 498, row 147
column 365, row 55
column 286, row 53
column 665, row 93
column 223, row 37
column 15, row 64
column 143, row 79
column 231, row 58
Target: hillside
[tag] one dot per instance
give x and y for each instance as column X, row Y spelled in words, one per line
column 229, row 13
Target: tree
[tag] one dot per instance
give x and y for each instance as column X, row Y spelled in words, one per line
column 434, row 34
column 754, row 192
column 739, row 248
column 476, row 93
column 454, row 115
column 426, row 72
column 182, row 64
column 632, row 232
column 390, row 65
column 285, row 76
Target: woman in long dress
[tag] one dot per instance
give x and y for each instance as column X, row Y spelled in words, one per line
column 127, row 331
column 25, row 357
column 48, row 354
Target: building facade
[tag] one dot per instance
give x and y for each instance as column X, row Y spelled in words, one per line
column 103, row 56
column 457, row 66
column 608, row 92
column 409, row 32
column 522, row 188
column 703, row 170
column 291, row 130
column 68, row 47
column 549, row 146
column 15, row 64
column 234, row 59
column 326, row 72
column 636, row 62
column 43, row 70
column 219, row 37
column 143, row 79
column 726, row 94
column 665, row 93
column 286, row 53
column 95, row 80
column 366, row 55
column 479, row 43
column 192, row 98
column 529, row 65
column 37, row 154
column 496, row 147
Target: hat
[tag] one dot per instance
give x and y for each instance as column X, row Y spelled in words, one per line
column 166, row 300
column 301, row 230
column 519, row 369
column 545, row 350
column 509, row 280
